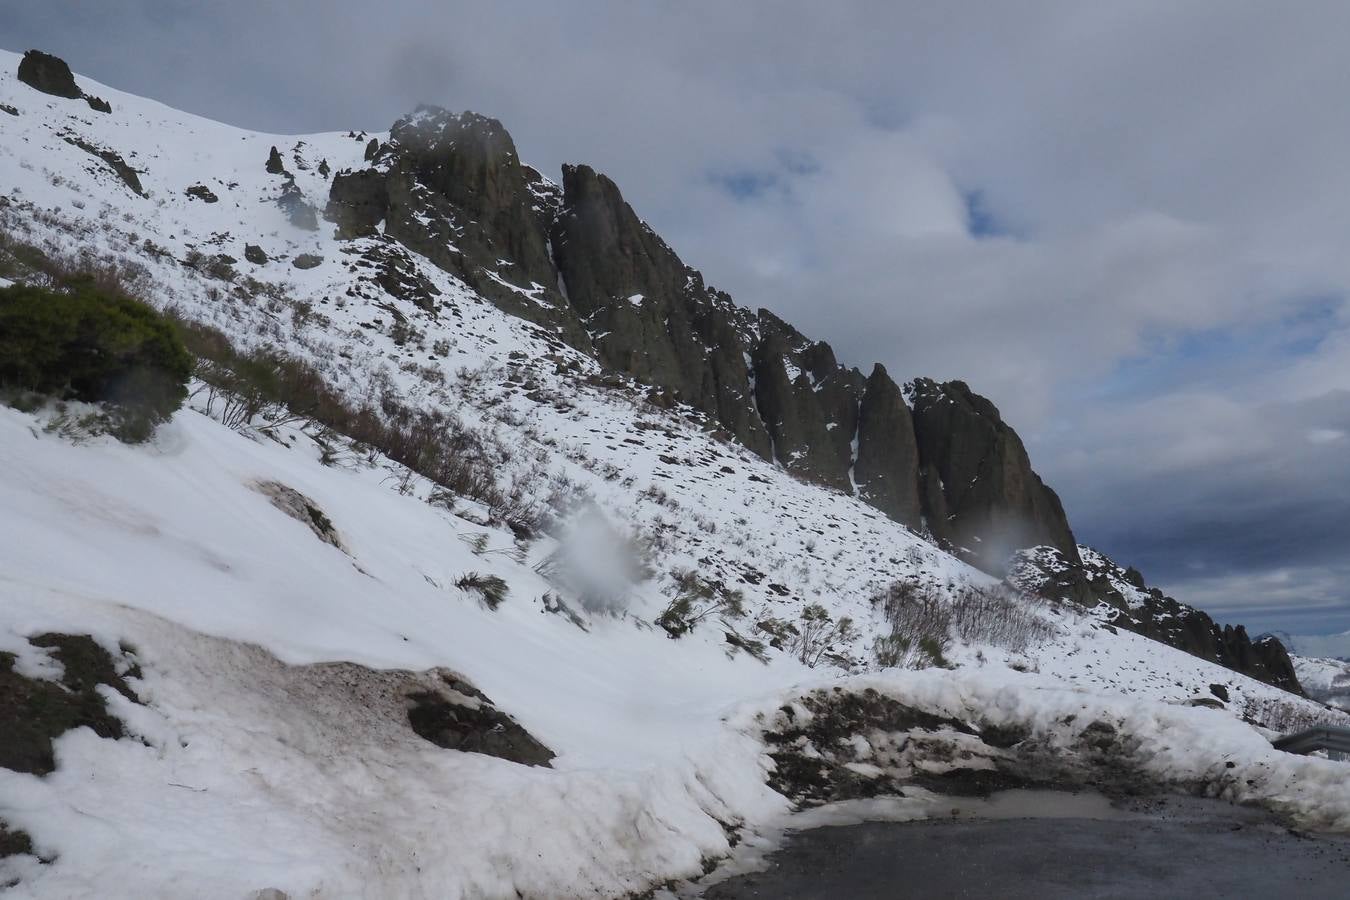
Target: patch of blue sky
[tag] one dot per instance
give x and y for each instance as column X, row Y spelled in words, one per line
column 745, row 184
column 980, row 218
column 751, row 184
column 1218, row 355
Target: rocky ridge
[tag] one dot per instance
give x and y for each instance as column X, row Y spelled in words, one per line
column 1095, row 581
column 578, row 261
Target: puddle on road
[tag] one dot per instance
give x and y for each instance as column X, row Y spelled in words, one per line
column 1028, row 804
column 752, row 855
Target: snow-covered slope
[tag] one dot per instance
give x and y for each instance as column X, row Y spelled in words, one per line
column 1326, row 680
column 262, row 764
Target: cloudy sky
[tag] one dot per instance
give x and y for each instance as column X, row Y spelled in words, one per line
column 1128, row 224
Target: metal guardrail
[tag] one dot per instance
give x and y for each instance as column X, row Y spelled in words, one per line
column 1331, row 738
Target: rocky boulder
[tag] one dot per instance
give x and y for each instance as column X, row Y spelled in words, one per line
column 274, row 165
column 49, row 74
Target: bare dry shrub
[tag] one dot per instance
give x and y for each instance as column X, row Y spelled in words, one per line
column 1289, row 716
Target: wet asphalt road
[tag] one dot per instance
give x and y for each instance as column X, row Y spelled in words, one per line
column 1187, row 849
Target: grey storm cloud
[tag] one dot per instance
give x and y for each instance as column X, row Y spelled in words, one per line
column 1045, row 199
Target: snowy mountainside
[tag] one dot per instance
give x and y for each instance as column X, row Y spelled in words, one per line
column 235, row 615
column 228, row 617
column 717, row 506
column 1325, row 680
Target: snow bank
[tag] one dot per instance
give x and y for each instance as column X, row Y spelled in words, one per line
column 1166, row 745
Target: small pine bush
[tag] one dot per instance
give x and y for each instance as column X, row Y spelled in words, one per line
column 696, row 600
column 95, row 346
column 491, row 589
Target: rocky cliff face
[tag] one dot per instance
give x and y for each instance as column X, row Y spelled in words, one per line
column 577, row 260
column 1092, row 580
column 648, row 314
column 451, row 187
column 979, row 492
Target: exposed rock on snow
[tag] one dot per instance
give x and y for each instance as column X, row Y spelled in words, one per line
column 302, row 509
column 48, row 74
column 52, row 75
column 203, row 193
column 112, row 159
column 34, row 711
column 274, row 165
column 462, row 718
column 14, row 843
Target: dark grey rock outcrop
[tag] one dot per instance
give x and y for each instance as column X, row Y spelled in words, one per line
column 357, row 203
column 809, row 403
column 649, row 315
column 274, row 164
column 979, row 492
column 112, row 158
column 451, row 187
column 49, row 74
column 203, row 193
column 887, row 466
column 458, row 716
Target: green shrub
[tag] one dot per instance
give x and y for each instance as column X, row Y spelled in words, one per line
column 698, row 598
column 87, row 344
column 491, row 588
